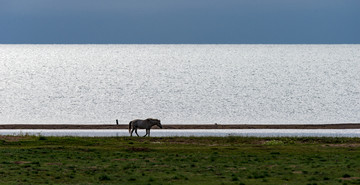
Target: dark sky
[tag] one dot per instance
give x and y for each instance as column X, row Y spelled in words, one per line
column 180, row 21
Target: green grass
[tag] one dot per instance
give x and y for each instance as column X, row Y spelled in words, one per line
column 178, row 160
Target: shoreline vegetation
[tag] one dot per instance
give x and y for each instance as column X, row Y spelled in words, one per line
column 186, row 126
column 179, row 160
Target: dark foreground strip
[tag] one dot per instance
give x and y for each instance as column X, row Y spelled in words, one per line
column 204, row 126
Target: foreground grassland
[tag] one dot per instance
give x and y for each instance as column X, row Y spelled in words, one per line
column 178, row 160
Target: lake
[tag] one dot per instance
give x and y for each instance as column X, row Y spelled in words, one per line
column 180, row 84
column 192, row 133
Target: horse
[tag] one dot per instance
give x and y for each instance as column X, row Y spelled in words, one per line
column 144, row 124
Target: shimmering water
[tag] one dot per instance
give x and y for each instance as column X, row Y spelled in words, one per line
column 180, row 83
column 197, row 133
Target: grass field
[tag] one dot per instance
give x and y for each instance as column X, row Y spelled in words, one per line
column 178, row 160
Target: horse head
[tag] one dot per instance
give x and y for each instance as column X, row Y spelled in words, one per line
column 158, row 124
column 155, row 122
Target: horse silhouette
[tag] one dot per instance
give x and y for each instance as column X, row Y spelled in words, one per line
column 143, row 124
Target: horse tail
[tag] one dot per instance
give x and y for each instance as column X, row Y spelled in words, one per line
column 130, row 126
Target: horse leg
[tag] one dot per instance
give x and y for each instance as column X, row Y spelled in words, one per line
column 132, row 132
column 136, row 132
column 147, row 132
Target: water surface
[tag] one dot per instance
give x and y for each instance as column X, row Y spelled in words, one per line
column 196, row 133
column 180, row 84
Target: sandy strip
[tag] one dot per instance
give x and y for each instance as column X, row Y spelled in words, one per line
column 202, row 126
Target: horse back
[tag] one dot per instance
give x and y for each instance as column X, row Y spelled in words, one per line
column 143, row 124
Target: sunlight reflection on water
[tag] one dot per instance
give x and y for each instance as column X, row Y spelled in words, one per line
column 196, row 133
column 196, row 84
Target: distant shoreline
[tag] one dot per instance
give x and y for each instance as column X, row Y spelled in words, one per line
column 186, row 126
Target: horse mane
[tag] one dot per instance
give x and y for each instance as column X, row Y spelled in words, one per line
column 152, row 120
